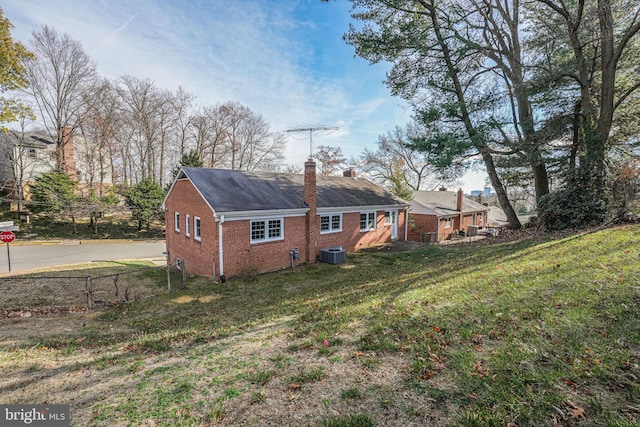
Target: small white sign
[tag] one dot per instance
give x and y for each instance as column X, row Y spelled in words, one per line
column 6, row 224
column 9, row 228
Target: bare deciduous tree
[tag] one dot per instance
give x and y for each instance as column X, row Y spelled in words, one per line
column 207, row 132
column 96, row 149
column 249, row 142
column 58, row 77
column 396, row 158
column 144, row 109
column 331, row 159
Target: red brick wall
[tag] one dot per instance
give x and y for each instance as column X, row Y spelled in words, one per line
column 352, row 239
column 420, row 224
column 468, row 220
column 199, row 256
column 240, row 255
column 431, row 223
column 446, row 231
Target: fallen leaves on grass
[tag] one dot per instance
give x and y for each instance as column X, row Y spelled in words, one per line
column 576, row 412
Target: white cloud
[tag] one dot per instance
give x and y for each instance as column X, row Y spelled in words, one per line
column 284, row 60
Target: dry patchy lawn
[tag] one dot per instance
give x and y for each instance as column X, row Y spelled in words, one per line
column 522, row 333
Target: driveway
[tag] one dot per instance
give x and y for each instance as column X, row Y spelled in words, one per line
column 50, row 254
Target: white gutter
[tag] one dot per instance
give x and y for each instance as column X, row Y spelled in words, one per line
column 352, row 209
column 271, row 213
column 220, row 248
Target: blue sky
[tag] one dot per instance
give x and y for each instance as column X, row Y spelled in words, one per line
column 285, row 60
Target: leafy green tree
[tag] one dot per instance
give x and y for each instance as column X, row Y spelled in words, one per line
column 12, row 71
column 145, row 200
column 589, row 50
column 576, row 205
column 54, row 195
column 191, row 159
column 398, row 186
column 435, row 67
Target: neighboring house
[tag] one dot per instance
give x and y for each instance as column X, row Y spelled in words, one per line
column 26, row 155
column 228, row 222
column 435, row 216
column 23, row 157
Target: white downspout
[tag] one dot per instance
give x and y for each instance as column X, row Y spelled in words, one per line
column 221, row 249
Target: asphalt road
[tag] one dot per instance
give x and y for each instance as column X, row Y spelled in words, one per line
column 32, row 256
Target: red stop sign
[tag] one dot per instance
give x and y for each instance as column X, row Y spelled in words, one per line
column 7, row 237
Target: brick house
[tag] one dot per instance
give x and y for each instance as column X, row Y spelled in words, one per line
column 435, row 216
column 228, row 222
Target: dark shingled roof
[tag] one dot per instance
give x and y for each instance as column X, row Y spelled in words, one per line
column 236, row 191
column 28, row 139
column 443, row 203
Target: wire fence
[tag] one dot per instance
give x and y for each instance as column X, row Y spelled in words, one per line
column 54, row 294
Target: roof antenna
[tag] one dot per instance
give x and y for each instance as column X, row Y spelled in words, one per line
column 311, row 130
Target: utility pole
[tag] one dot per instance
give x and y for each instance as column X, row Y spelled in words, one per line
column 311, row 130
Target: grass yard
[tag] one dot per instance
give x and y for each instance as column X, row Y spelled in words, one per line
column 526, row 333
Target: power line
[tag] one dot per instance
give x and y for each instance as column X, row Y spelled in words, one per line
column 312, row 129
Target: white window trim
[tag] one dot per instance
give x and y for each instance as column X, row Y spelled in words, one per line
column 266, row 230
column 187, row 225
column 448, row 222
column 375, row 220
column 197, row 228
column 387, row 217
column 176, row 221
column 331, row 230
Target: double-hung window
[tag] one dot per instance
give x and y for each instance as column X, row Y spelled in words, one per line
column 196, row 228
column 448, row 222
column 187, row 225
column 367, row 221
column 330, row 223
column 264, row 230
column 176, row 221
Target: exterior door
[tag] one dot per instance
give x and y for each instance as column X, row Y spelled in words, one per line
column 391, row 218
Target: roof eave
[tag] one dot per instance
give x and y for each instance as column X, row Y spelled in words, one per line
column 243, row 215
column 350, row 209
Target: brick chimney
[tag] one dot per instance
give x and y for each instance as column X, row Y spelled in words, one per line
column 442, row 188
column 66, row 161
column 310, row 201
column 460, row 200
column 349, row 173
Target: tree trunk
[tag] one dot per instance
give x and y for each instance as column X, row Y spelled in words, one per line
column 596, row 156
column 540, row 175
column 476, row 137
column 525, row 109
column 503, row 199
